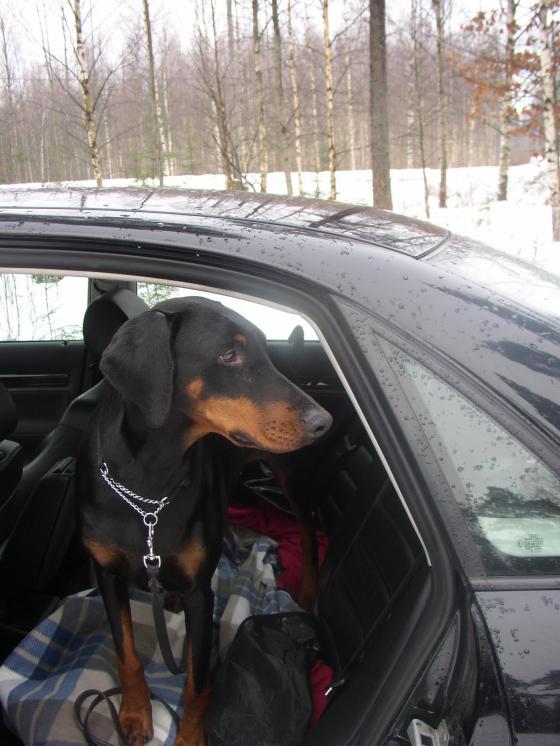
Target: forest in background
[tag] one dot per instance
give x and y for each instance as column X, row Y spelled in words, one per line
column 90, row 90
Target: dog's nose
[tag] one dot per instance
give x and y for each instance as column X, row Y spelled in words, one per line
column 316, row 421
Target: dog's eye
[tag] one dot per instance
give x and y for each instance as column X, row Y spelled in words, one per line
column 229, row 358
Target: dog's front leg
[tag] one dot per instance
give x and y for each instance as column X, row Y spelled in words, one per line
column 135, row 713
column 198, row 605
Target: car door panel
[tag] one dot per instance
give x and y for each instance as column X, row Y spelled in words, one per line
column 42, row 377
column 524, row 628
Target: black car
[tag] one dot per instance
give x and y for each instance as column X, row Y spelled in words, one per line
column 439, row 359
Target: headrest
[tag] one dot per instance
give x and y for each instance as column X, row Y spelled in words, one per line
column 8, row 413
column 106, row 314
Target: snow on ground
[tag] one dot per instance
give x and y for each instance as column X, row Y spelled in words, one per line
column 522, row 226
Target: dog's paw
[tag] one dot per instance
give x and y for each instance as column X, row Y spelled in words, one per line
column 137, row 726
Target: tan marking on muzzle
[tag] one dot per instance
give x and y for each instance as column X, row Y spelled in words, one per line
column 275, row 426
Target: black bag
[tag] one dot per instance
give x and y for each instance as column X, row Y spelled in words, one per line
column 260, row 696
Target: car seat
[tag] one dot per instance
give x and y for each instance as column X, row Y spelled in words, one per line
column 41, row 520
column 11, row 453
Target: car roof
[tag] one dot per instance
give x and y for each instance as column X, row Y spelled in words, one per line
column 407, row 235
column 448, row 304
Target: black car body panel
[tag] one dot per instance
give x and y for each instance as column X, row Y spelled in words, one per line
column 524, row 629
column 458, row 323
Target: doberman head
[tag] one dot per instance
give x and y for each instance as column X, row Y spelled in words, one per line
column 196, row 360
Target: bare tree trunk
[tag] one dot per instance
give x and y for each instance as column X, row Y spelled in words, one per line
column 168, row 138
column 245, row 126
column 295, row 99
column 546, row 35
column 314, row 112
column 330, row 98
column 231, row 43
column 263, row 151
column 87, row 106
column 418, row 102
column 505, row 116
column 63, row 33
column 11, row 172
column 410, row 110
column 438, row 9
column 50, row 144
column 109, row 159
column 162, row 163
column 350, row 112
column 42, row 169
column 378, row 101
column 235, row 73
column 284, row 129
column 221, row 113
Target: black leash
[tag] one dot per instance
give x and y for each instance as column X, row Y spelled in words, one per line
column 158, row 611
column 97, row 698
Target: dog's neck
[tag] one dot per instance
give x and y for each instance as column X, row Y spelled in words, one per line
column 153, row 461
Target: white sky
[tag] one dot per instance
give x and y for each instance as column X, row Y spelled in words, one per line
column 113, row 20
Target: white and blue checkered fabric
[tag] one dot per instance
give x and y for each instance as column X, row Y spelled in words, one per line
column 72, row 650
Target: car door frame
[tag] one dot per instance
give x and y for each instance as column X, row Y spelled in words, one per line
column 238, row 276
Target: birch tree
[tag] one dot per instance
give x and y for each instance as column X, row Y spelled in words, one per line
column 350, row 125
column 295, row 99
column 210, row 75
column 329, row 80
column 10, row 170
column 159, row 143
column 280, row 103
column 314, row 105
column 418, row 100
column 379, row 123
column 263, row 147
column 87, row 101
column 442, row 104
column 506, row 112
column 546, row 33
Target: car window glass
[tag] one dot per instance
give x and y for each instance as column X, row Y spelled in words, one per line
column 41, row 307
column 510, row 499
column 274, row 323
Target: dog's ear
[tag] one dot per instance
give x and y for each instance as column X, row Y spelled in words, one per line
column 138, row 363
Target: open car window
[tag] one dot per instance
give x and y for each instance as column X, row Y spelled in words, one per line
column 275, row 323
column 41, row 307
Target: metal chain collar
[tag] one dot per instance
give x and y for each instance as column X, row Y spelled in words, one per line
column 149, row 517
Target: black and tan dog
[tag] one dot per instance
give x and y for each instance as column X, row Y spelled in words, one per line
column 188, row 379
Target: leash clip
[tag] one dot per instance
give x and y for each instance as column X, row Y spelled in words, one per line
column 152, row 561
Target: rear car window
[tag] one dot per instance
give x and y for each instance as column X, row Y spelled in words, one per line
column 41, row 307
column 509, row 498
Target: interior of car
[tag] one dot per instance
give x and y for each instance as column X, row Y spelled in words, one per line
column 373, row 585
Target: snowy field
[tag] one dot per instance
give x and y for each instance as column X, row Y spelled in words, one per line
column 522, row 226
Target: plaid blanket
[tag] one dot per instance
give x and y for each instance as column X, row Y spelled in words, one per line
column 72, row 650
